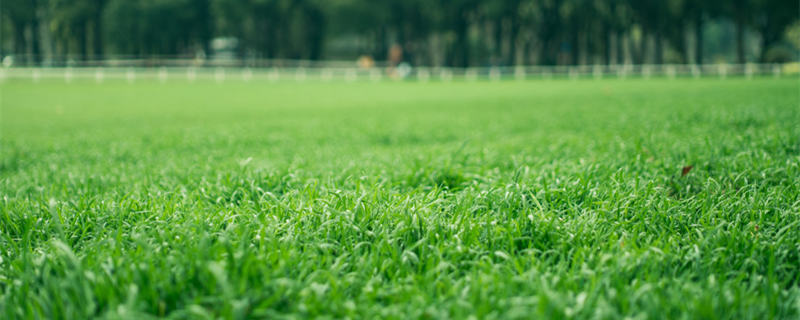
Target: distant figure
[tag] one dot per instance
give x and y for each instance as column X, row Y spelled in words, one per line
column 403, row 70
column 395, row 62
column 365, row 62
column 395, row 55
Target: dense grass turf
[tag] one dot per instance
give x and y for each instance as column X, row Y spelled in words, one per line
column 401, row 200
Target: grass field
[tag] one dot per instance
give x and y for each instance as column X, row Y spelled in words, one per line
column 540, row 199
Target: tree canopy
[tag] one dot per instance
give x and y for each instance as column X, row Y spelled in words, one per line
column 429, row 32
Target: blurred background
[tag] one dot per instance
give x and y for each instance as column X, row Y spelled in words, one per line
column 432, row 33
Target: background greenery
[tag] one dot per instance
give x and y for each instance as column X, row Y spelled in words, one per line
column 430, row 32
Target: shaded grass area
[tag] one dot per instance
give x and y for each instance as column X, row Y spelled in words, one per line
column 401, row 200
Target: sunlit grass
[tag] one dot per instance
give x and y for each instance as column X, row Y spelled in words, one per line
column 401, row 200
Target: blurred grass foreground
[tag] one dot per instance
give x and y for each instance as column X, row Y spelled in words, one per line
column 654, row 198
column 399, row 159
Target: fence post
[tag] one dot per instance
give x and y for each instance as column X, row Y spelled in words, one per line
column 162, row 75
column 68, row 75
column 99, row 75
column 446, row 75
column 247, row 74
column 471, row 74
column 573, row 73
column 274, row 75
column 423, row 75
column 494, row 74
column 300, row 74
column 219, row 75
column 130, row 75
column 722, row 69
column 327, row 75
column 191, row 74
column 646, row 71
column 375, row 75
column 671, row 72
column 695, row 71
column 351, row 75
column 519, row 73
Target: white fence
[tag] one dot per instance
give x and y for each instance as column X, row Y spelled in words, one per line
column 351, row 74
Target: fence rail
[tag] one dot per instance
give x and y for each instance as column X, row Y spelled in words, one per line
column 342, row 73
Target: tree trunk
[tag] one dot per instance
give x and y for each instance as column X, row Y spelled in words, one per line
column 546, row 43
column 575, row 43
column 381, row 50
column 659, row 49
column 97, row 36
column 606, row 46
column 19, row 40
column 36, row 50
column 496, row 54
column 461, row 49
column 641, row 53
column 768, row 39
column 698, row 38
column 270, row 46
column 620, row 48
column 82, row 43
column 513, row 38
column 683, row 44
column 740, row 41
column 317, row 39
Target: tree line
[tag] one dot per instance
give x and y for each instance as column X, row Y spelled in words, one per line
column 429, row 32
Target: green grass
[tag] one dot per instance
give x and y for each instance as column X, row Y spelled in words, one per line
column 541, row 199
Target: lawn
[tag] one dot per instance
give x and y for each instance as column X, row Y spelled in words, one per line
column 514, row 199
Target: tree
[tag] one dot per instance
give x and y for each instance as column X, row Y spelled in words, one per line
column 772, row 17
column 458, row 33
column 653, row 16
column 739, row 11
column 22, row 16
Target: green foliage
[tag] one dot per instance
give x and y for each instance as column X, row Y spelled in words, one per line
column 167, row 27
column 542, row 199
column 430, row 32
